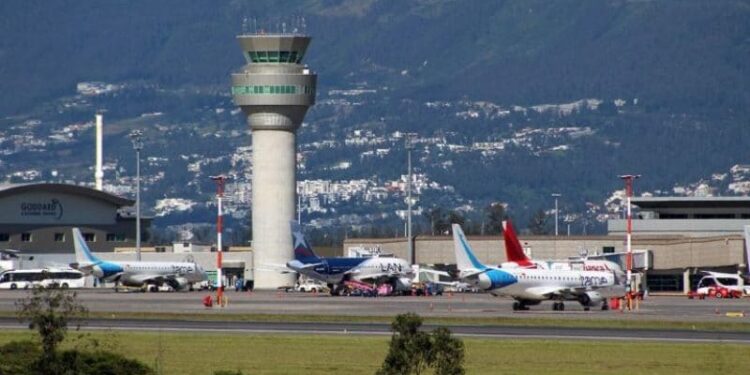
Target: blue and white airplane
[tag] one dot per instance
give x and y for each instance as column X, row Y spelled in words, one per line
column 336, row 271
column 532, row 286
column 147, row 275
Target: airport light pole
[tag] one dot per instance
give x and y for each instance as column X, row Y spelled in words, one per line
column 409, row 202
column 136, row 136
column 219, row 180
column 629, row 178
column 556, row 196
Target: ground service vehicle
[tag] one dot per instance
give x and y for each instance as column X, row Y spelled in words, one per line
column 46, row 277
column 719, row 285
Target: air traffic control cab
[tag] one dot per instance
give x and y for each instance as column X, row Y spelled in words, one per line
column 274, row 90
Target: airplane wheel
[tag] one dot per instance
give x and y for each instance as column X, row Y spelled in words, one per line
column 554, row 306
column 561, row 307
column 516, row 306
column 605, row 307
column 586, row 308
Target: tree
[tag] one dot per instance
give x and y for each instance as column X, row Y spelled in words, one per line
column 447, row 353
column 412, row 351
column 538, row 223
column 455, row 217
column 435, row 216
column 49, row 310
column 495, row 217
column 409, row 348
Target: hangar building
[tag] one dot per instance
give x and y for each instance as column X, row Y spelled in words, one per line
column 37, row 218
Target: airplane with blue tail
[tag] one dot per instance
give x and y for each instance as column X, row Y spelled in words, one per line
column 529, row 286
column 336, row 271
column 147, row 275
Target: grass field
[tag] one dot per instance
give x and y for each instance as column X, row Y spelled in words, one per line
column 181, row 353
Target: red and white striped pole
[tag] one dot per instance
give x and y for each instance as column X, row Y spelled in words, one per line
column 628, row 241
column 219, row 229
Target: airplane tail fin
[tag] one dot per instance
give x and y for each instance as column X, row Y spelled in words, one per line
column 513, row 249
column 83, row 253
column 302, row 249
column 465, row 259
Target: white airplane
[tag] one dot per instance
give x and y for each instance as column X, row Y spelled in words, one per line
column 532, row 286
column 335, row 272
column 147, row 275
column 518, row 259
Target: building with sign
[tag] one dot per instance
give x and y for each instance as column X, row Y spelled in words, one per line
column 37, row 218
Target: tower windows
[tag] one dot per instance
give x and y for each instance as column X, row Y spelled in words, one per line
column 271, row 89
column 286, row 57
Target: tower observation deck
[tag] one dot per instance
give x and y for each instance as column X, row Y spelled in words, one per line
column 274, row 90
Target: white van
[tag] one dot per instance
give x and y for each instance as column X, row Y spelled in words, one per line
column 729, row 281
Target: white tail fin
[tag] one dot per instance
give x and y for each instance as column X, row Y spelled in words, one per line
column 465, row 259
column 83, row 254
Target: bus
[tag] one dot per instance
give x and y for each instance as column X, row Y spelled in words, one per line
column 46, row 277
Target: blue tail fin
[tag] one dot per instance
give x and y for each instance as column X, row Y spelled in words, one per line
column 465, row 258
column 302, row 249
column 83, row 254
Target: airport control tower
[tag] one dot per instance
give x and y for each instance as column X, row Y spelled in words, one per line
column 274, row 91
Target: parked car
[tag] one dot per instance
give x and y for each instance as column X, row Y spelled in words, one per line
column 309, row 286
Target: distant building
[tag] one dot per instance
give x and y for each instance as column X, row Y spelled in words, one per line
column 38, row 218
column 686, row 216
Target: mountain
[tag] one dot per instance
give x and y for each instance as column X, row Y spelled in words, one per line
column 511, row 100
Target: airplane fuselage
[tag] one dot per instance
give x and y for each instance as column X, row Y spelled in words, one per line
column 130, row 273
column 338, row 270
column 531, row 284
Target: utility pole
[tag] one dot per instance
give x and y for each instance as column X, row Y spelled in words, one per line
column 409, row 202
column 628, row 239
column 556, row 195
column 136, row 136
column 219, row 180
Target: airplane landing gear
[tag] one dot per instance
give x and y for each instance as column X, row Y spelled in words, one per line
column 558, row 306
column 519, row 306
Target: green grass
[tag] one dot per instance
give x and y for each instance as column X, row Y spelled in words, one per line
column 187, row 353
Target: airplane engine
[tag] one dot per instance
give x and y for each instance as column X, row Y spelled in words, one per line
column 484, row 282
column 178, row 283
column 591, row 298
column 402, row 284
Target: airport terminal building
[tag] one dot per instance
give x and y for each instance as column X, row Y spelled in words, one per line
column 673, row 239
column 38, row 218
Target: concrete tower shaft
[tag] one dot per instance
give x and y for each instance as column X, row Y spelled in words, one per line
column 274, row 91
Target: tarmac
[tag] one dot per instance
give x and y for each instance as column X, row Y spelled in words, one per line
column 463, row 305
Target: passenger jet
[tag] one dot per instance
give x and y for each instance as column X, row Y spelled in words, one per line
column 518, row 259
column 335, row 272
column 147, row 275
column 530, row 286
